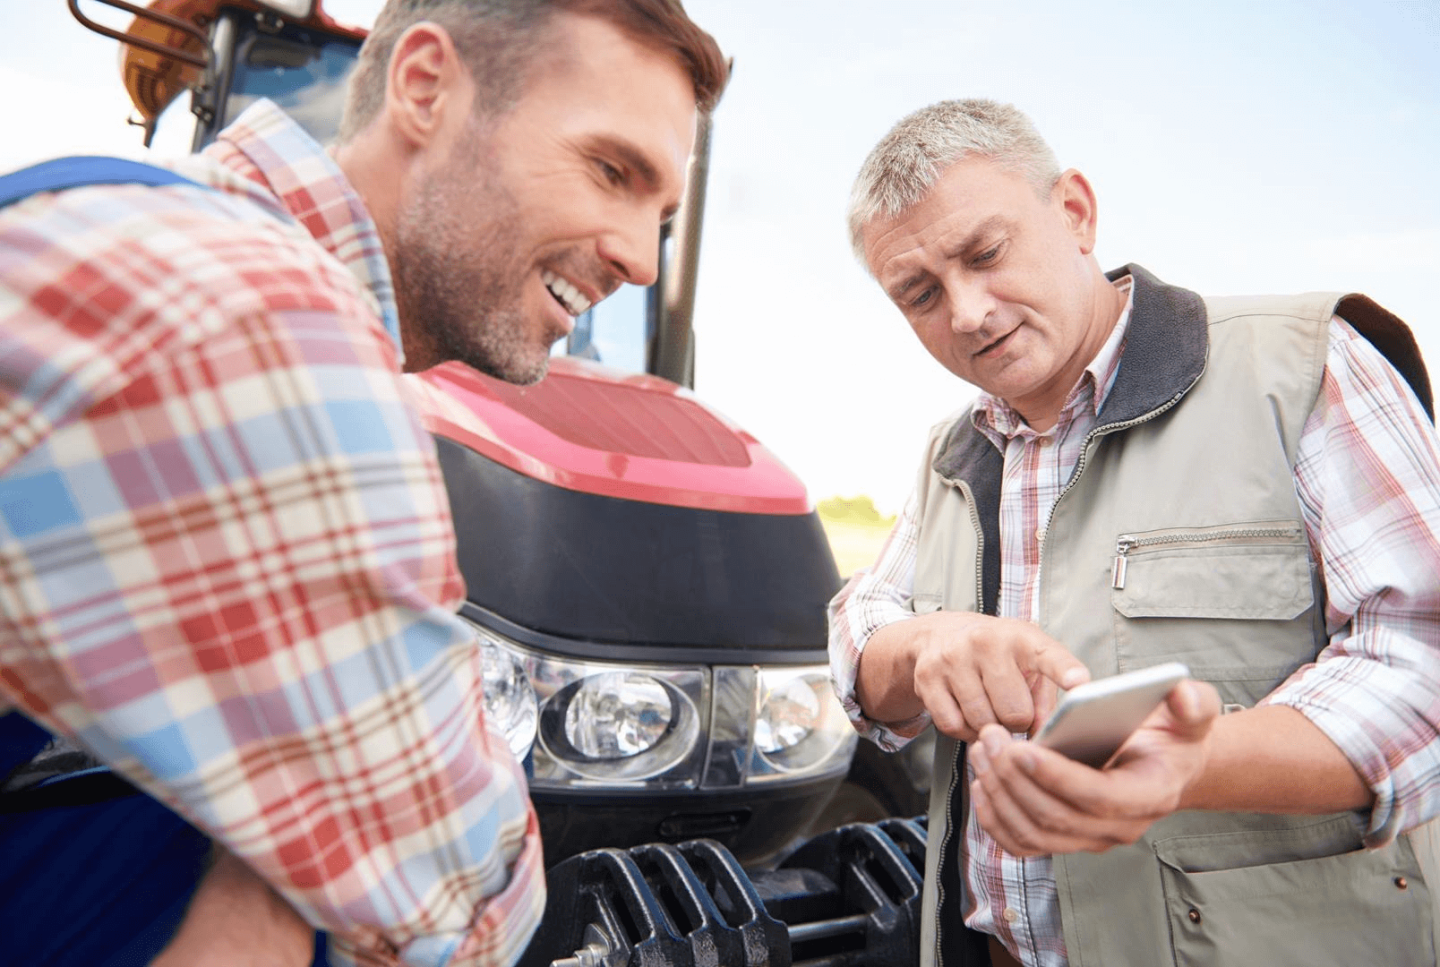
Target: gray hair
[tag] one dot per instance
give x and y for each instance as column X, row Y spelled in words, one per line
column 908, row 161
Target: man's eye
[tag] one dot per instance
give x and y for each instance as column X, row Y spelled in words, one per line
column 611, row 173
column 988, row 256
column 923, row 299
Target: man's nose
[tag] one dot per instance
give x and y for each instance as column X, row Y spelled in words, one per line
column 631, row 248
column 970, row 304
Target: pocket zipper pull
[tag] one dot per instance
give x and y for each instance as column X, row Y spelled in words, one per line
column 1117, row 572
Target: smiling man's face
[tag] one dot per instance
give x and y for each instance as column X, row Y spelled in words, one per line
column 536, row 215
column 999, row 283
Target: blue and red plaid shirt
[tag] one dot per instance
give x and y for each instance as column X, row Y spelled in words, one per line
column 226, row 556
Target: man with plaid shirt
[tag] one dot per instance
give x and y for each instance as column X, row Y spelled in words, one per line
column 226, row 558
column 1243, row 484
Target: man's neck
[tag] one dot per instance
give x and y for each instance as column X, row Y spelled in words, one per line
column 1107, row 305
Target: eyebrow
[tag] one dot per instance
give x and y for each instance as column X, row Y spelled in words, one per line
column 897, row 292
column 910, row 281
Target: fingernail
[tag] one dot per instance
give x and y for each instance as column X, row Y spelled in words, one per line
column 993, row 739
column 979, row 761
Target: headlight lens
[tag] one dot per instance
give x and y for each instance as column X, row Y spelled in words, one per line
column 619, row 726
column 800, row 726
column 510, row 705
column 615, row 715
column 788, row 715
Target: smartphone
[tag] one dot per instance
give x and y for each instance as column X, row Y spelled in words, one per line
column 1093, row 720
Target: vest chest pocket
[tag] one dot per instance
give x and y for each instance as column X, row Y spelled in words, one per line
column 1234, row 602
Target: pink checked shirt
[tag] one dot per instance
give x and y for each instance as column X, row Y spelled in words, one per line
column 226, row 556
column 1368, row 476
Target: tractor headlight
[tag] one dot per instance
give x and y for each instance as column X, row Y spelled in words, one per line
column 619, row 726
column 788, row 716
column 800, row 726
column 618, row 715
column 597, row 724
column 510, row 705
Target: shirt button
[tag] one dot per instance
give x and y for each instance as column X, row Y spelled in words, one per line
column 1011, row 915
column 1040, row 535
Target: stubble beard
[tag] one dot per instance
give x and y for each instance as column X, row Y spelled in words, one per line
column 461, row 285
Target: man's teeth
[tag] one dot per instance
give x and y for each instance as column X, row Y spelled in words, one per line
column 569, row 296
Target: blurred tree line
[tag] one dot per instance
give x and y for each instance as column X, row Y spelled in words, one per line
column 853, row 510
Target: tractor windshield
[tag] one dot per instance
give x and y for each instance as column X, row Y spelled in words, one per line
column 302, row 71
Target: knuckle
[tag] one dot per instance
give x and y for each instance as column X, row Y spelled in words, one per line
column 1052, row 818
column 1028, row 841
column 1013, row 716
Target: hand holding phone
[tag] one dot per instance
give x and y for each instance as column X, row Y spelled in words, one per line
column 1093, row 720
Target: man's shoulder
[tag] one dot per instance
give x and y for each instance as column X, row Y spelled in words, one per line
column 217, row 231
column 1315, row 306
column 214, row 170
column 120, row 273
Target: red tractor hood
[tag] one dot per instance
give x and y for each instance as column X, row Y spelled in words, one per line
column 597, row 430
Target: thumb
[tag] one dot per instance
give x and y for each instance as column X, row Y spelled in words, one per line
column 1194, row 706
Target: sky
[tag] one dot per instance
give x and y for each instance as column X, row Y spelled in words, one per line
column 1260, row 146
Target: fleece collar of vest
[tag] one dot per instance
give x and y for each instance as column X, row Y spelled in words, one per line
column 1165, row 353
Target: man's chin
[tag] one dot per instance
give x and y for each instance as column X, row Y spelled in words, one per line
column 532, row 375
column 520, row 372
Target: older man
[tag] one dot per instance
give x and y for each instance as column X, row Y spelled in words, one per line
column 227, row 554
column 1242, row 484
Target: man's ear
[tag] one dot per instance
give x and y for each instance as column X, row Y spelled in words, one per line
column 1076, row 199
column 425, row 82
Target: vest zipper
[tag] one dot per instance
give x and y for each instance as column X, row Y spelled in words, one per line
column 958, row 767
column 1128, row 542
column 979, row 547
column 1085, row 458
column 945, row 845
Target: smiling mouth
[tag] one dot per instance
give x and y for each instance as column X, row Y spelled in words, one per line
column 565, row 293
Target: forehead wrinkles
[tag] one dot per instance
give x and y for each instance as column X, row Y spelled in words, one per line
column 914, row 241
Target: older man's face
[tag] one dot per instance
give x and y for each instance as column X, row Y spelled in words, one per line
column 541, row 214
column 998, row 282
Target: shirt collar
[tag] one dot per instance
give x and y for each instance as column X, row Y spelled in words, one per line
column 265, row 145
column 994, row 417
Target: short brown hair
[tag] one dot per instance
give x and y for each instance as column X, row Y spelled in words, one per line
column 497, row 39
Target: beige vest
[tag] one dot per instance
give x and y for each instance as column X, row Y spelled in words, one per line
column 1180, row 538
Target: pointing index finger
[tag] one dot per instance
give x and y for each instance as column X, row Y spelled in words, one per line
column 1054, row 661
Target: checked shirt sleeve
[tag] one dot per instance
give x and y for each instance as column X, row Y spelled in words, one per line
column 227, row 568
column 869, row 601
column 1368, row 476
